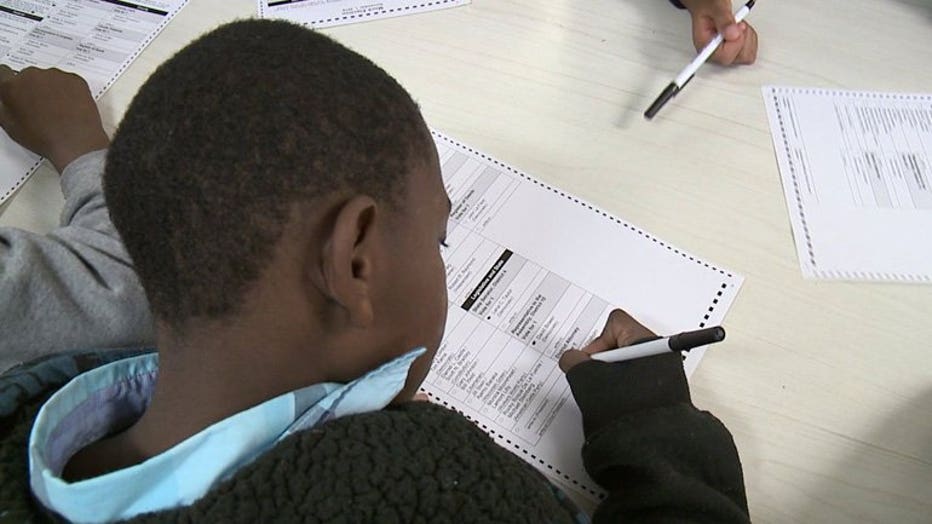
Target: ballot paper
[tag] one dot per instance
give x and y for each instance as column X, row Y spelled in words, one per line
column 326, row 13
column 533, row 271
column 96, row 39
column 857, row 176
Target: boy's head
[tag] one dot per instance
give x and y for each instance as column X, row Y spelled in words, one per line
column 268, row 179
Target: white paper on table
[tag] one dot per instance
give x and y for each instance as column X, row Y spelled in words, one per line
column 857, row 176
column 95, row 39
column 531, row 272
column 327, row 13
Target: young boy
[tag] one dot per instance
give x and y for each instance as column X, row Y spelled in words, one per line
column 75, row 288
column 282, row 201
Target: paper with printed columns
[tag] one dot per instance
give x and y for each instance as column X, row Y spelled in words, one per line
column 95, row 39
column 327, row 13
column 531, row 272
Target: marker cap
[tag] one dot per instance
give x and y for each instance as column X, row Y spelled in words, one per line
column 694, row 339
column 668, row 93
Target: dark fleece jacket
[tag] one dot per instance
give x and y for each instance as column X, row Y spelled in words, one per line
column 659, row 458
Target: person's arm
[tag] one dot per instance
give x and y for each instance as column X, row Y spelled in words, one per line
column 74, row 288
column 659, row 458
column 716, row 16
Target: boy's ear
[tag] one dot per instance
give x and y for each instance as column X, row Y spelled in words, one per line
column 348, row 258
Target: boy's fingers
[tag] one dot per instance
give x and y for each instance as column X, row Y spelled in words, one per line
column 748, row 52
column 624, row 330
column 571, row 358
column 731, row 33
column 740, row 45
column 620, row 330
column 728, row 52
column 724, row 20
column 420, row 397
column 6, row 73
column 603, row 342
column 4, row 117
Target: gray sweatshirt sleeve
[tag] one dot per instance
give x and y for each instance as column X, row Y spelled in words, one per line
column 74, row 288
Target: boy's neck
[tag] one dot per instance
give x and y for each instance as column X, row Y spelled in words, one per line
column 205, row 377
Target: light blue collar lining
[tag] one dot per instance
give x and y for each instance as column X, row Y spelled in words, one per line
column 111, row 397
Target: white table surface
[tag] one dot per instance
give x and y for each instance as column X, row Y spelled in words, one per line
column 826, row 386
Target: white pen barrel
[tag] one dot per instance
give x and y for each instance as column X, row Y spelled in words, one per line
column 644, row 349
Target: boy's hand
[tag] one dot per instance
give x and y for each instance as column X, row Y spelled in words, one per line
column 621, row 330
column 716, row 16
column 51, row 113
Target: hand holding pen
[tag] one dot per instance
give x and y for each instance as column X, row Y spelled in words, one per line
column 718, row 44
column 624, row 338
column 714, row 17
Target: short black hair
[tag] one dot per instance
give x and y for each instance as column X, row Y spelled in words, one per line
column 227, row 136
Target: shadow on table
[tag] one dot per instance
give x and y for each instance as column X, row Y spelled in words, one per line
column 876, row 492
column 924, row 6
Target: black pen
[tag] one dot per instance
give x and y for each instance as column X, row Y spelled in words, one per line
column 658, row 346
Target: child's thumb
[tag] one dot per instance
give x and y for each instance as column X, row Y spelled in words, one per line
column 725, row 22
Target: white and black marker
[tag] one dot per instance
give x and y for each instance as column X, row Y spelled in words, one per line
column 687, row 73
column 658, row 346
